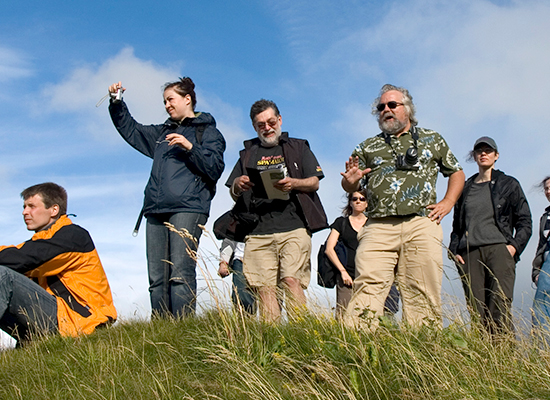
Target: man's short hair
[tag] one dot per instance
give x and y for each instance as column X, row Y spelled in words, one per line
column 51, row 194
column 407, row 102
column 260, row 106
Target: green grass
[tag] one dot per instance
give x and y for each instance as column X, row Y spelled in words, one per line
column 221, row 355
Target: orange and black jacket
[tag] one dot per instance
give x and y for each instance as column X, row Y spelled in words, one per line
column 63, row 260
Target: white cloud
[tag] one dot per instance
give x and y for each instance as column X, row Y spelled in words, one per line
column 474, row 68
column 107, row 203
column 493, row 66
column 87, row 84
column 13, row 65
column 230, row 121
column 78, row 94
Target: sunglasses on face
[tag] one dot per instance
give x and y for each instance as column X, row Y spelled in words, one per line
column 486, row 150
column 391, row 105
column 358, row 198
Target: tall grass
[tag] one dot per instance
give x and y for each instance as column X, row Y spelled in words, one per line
column 224, row 354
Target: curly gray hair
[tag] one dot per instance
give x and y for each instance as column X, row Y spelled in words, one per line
column 407, row 102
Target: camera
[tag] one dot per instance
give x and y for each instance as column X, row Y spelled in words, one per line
column 117, row 96
column 408, row 161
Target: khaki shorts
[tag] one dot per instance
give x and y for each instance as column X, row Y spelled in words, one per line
column 270, row 258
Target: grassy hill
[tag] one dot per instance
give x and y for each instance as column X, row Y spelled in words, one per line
column 223, row 355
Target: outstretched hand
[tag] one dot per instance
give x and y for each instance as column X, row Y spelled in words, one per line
column 353, row 174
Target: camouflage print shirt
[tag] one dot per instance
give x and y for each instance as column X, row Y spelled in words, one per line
column 393, row 192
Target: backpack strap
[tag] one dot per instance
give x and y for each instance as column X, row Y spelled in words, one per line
column 344, row 226
column 199, row 131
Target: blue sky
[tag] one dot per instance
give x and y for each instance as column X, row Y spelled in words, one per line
column 474, row 68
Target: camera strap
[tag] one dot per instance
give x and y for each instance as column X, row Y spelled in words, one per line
column 414, row 135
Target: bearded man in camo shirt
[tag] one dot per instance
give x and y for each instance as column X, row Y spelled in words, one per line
column 402, row 237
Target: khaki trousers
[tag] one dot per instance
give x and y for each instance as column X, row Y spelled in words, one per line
column 406, row 247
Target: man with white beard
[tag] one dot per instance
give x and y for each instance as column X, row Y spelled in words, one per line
column 402, row 236
column 278, row 247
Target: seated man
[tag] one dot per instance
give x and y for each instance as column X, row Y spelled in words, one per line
column 67, row 291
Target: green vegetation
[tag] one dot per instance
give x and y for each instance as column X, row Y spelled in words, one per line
column 223, row 355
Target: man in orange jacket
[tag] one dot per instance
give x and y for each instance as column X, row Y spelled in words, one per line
column 68, row 291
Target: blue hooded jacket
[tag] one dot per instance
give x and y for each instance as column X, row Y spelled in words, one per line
column 181, row 180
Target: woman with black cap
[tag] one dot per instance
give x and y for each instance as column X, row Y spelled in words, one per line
column 491, row 227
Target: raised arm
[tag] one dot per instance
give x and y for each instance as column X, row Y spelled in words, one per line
column 143, row 138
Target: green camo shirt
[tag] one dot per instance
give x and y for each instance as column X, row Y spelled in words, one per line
column 393, row 192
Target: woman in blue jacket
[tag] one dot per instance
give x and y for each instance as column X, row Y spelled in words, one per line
column 187, row 152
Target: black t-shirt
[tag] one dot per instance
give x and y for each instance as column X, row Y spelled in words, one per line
column 275, row 215
column 349, row 239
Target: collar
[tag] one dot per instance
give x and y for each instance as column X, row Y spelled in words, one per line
column 185, row 121
column 49, row 230
column 412, row 131
column 495, row 174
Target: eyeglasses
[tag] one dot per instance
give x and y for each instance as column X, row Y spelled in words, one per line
column 486, row 150
column 272, row 123
column 391, row 105
column 358, row 198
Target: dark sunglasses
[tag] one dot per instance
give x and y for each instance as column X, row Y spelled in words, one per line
column 486, row 150
column 358, row 198
column 391, row 105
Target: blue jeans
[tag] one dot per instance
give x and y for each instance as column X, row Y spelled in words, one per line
column 173, row 284
column 541, row 303
column 242, row 293
column 25, row 307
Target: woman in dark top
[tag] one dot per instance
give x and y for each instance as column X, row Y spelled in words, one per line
column 491, row 227
column 346, row 229
column 187, row 152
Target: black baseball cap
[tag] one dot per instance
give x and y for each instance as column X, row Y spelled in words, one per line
column 488, row 141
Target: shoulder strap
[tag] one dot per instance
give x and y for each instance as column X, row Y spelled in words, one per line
column 244, row 158
column 344, row 225
column 199, row 130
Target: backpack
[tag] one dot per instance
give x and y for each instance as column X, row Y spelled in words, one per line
column 238, row 222
column 326, row 270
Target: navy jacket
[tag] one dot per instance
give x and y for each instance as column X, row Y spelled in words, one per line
column 512, row 213
column 181, row 180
